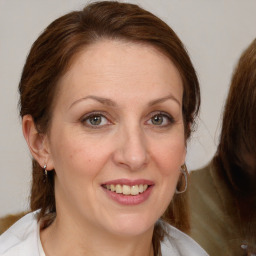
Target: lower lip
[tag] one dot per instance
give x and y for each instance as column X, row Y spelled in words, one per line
column 129, row 200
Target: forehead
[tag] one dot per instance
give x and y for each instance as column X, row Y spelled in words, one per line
column 121, row 51
column 109, row 65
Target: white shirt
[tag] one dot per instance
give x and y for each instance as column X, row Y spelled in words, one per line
column 23, row 239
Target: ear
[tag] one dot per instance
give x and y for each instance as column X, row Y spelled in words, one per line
column 37, row 142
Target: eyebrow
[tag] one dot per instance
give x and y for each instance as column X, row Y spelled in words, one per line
column 103, row 101
column 111, row 103
column 169, row 97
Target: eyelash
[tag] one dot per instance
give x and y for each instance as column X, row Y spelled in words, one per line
column 86, row 118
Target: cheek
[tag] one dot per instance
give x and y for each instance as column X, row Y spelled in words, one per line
column 78, row 155
column 169, row 156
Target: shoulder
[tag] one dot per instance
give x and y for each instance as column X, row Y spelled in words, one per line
column 178, row 243
column 210, row 202
column 8, row 220
column 209, row 196
column 205, row 203
column 21, row 238
column 203, row 174
column 203, row 192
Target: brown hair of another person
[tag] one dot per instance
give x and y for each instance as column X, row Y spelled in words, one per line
column 235, row 159
column 52, row 54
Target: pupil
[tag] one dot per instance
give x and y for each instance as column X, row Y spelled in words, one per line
column 157, row 120
column 95, row 120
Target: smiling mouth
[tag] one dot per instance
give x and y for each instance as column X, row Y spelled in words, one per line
column 126, row 189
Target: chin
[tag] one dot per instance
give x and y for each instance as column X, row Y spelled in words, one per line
column 131, row 226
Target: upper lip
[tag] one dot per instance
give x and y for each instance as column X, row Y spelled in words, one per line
column 129, row 182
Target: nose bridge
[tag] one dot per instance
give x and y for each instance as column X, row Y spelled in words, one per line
column 132, row 150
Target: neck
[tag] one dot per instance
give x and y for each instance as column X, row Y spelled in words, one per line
column 65, row 238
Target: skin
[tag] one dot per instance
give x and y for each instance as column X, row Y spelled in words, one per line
column 126, row 84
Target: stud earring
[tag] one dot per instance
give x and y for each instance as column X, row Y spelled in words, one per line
column 45, row 171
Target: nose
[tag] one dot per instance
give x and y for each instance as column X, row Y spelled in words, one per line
column 131, row 151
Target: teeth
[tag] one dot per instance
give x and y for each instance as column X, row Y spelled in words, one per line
column 141, row 188
column 119, row 189
column 134, row 190
column 127, row 190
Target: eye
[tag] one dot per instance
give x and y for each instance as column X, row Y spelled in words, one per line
column 160, row 119
column 95, row 120
column 157, row 119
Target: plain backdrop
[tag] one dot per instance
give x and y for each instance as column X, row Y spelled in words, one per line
column 215, row 32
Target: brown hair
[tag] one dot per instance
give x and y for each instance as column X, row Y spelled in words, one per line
column 52, row 54
column 235, row 159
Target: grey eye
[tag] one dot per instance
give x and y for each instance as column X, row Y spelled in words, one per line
column 157, row 119
column 160, row 119
column 95, row 120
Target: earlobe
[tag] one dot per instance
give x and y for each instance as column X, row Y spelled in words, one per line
column 37, row 142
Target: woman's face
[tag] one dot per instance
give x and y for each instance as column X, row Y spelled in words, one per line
column 116, row 139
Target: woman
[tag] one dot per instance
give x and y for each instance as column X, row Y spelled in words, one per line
column 225, row 200
column 108, row 96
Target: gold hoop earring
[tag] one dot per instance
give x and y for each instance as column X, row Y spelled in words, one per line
column 184, row 172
